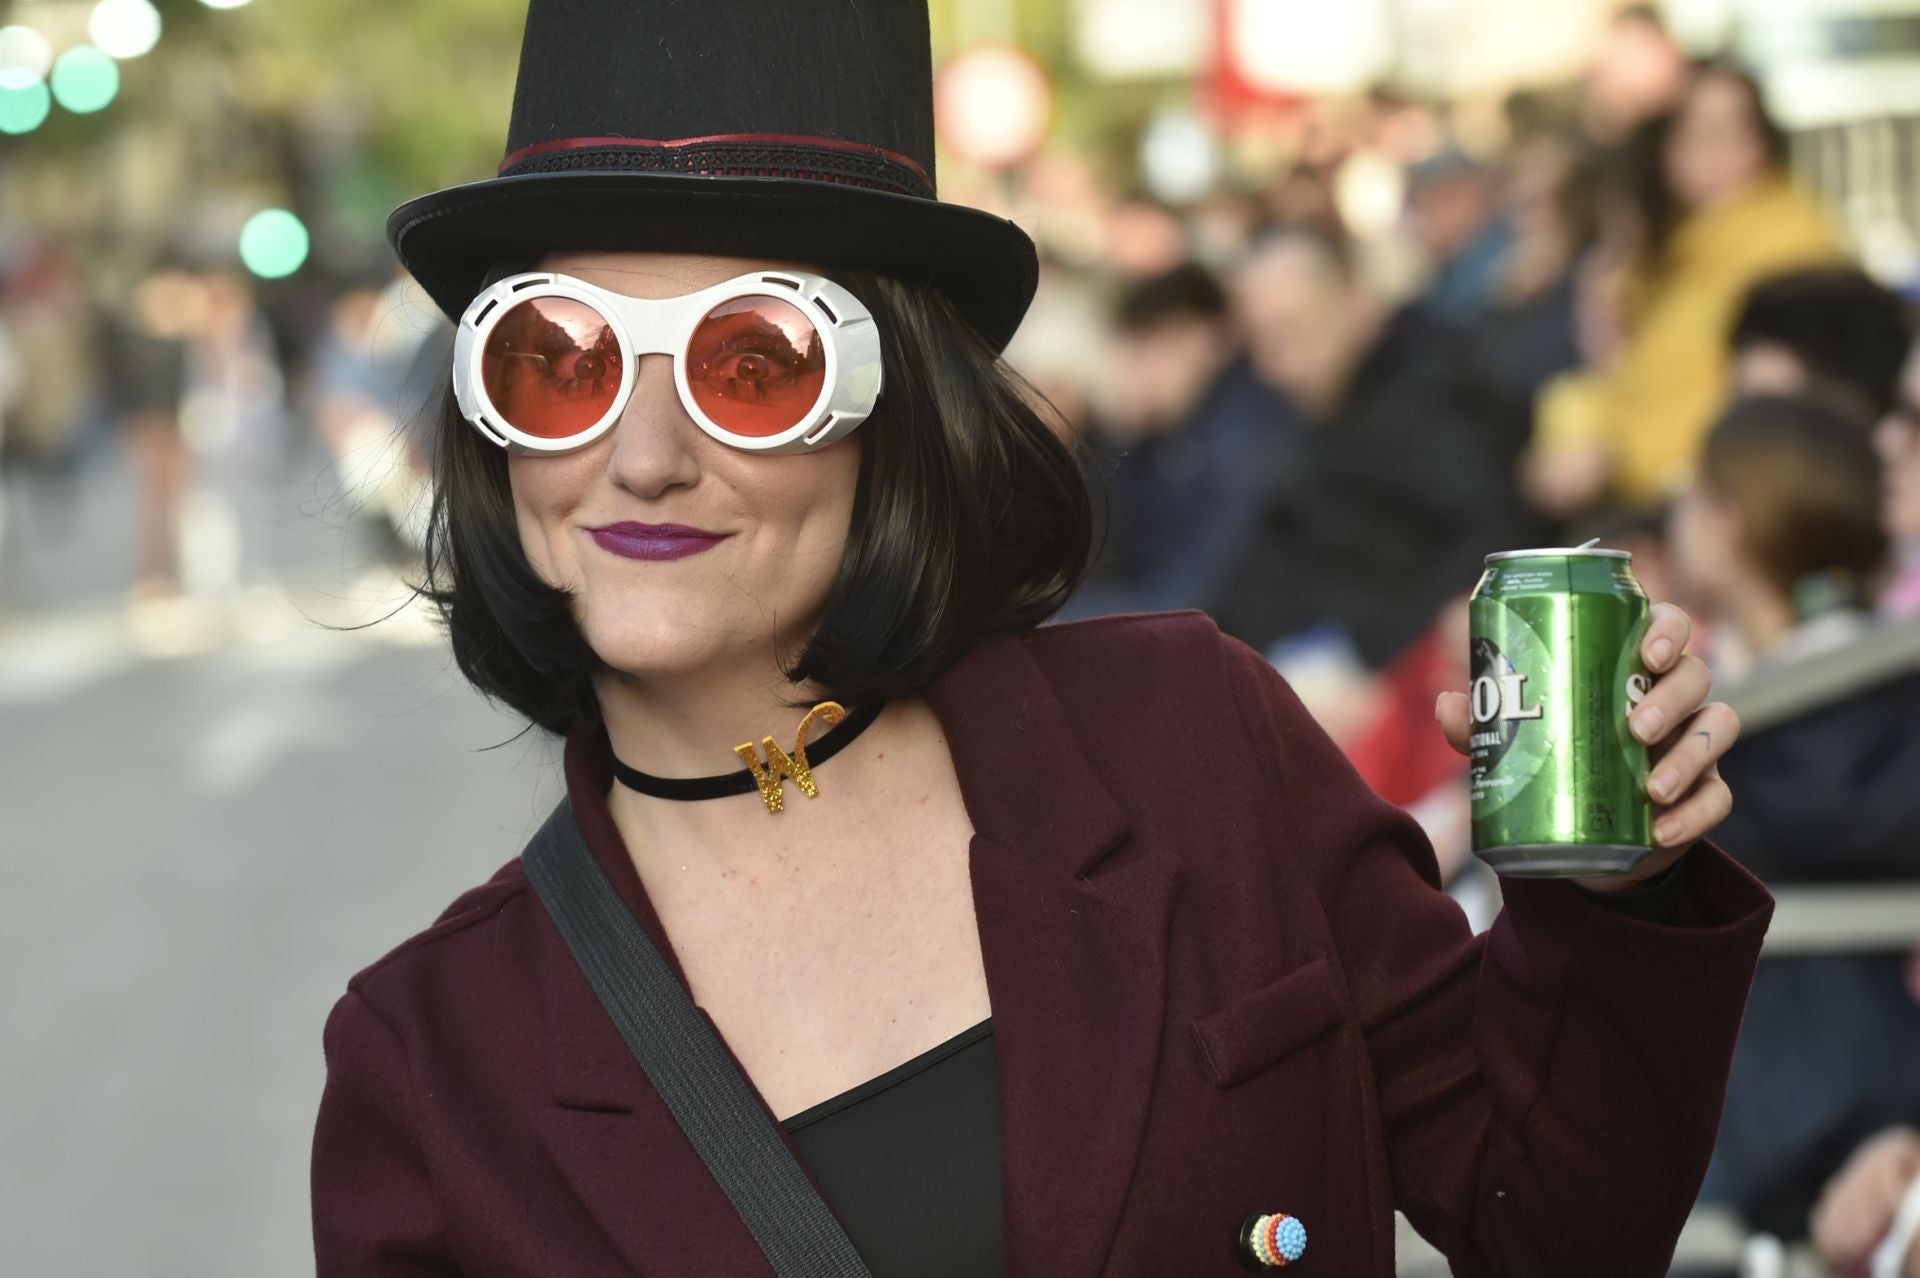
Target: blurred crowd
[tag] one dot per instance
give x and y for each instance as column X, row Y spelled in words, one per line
column 1311, row 405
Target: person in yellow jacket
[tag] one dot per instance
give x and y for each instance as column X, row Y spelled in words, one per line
column 1719, row 213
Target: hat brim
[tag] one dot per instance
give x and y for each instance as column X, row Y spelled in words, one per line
column 451, row 238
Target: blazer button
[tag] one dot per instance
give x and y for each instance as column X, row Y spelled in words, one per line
column 1271, row 1240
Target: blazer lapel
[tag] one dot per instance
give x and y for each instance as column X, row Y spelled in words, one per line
column 616, row 1143
column 1073, row 926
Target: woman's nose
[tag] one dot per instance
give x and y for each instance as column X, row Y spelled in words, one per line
column 653, row 440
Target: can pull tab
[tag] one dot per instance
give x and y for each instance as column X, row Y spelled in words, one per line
column 1588, row 545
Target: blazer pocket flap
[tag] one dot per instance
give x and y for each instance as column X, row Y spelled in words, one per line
column 1276, row 1020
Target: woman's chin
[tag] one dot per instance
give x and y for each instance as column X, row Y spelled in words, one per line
column 646, row 659
column 646, row 650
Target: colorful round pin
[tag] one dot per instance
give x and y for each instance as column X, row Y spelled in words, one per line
column 1271, row 1240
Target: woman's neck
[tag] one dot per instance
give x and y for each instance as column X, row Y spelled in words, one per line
column 688, row 725
column 1764, row 618
column 1820, row 609
column 1736, row 192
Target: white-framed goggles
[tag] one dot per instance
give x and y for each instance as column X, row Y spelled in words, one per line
column 777, row 361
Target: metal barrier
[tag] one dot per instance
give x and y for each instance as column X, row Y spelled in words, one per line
column 1845, row 920
column 1777, row 694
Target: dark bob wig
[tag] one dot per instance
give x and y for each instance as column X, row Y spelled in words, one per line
column 971, row 515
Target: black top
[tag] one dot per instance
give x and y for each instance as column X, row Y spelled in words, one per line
column 910, row 1161
column 1829, row 795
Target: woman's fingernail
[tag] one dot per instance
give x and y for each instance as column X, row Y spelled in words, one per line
column 1661, row 653
column 1647, row 721
column 1664, row 831
column 1663, row 783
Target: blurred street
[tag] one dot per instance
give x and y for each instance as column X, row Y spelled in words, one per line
column 200, row 850
column 68, row 534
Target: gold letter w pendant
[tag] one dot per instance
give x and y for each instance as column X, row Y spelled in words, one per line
column 779, row 764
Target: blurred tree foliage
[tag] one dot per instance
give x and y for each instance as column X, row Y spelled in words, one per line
column 336, row 108
column 426, row 84
column 341, row 108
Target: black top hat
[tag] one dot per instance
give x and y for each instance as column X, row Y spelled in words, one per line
column 802, row 129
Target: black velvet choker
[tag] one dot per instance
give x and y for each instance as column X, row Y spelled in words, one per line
column 765, row 776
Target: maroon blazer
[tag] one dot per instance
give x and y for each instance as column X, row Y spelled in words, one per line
column 1223, row 980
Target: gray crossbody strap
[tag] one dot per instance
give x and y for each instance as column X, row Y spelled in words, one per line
column 685, row 1061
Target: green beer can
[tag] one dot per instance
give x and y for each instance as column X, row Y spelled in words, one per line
column 1558, row 782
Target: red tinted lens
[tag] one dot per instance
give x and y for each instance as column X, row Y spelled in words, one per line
column 551, row 367
column 756, row 366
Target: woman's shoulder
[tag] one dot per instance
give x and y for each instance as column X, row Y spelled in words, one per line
column 1141, row 642
column 1777, row 226
column 1196, row 730
column 1157, row 669
column 468, row 922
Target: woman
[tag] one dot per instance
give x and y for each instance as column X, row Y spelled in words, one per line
column 1713, row 210
column 1090, row 945
column 1781, row 544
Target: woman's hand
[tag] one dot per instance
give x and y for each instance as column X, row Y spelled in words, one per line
column 1858, row 1204
column 1685, row 737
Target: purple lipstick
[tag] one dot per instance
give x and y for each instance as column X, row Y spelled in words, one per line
column 655, row 541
